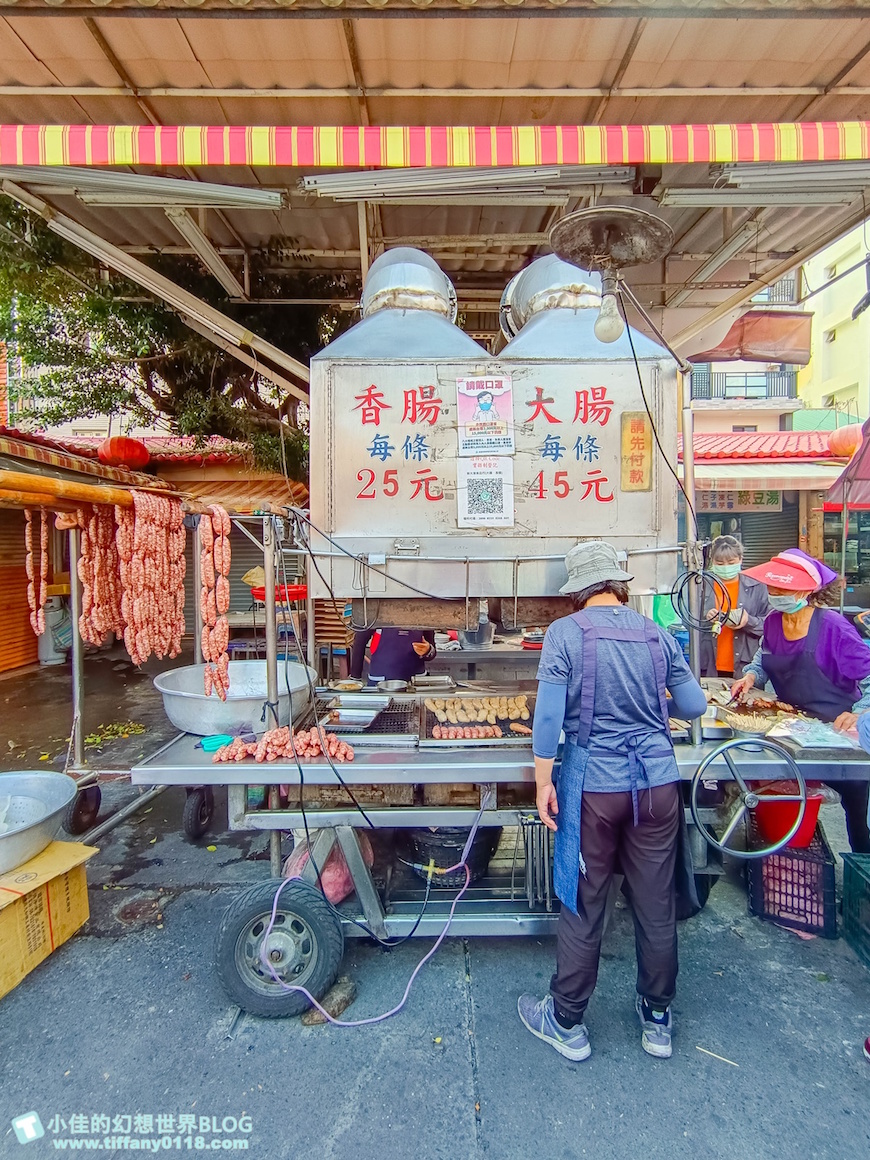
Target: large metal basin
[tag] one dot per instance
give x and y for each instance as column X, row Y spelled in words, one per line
column 32, row 805
column 189, row 709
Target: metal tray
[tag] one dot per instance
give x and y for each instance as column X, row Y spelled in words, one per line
column 509, row 741
column 395, row 726
column 431, row 684
column 344, row 720
column 357, row 701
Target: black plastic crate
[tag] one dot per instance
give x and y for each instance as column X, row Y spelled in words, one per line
column 795, row 888
column 856, row 904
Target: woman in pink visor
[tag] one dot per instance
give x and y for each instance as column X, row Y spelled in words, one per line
column 814, row 659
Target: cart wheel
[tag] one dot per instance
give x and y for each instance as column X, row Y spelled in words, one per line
column 704, row 883
column 198, row 811
column 83, row 811
column 748, row 798
column 305, row 948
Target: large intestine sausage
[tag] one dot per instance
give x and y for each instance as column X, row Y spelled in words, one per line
column 215, row 560
column 151, row 567
column 131, row 566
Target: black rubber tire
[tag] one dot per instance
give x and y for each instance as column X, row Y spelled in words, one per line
column 303, row 916
column 704, row 883
column 444, row 846
column 82, row 812
column 198, row 811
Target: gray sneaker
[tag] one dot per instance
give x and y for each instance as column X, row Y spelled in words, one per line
column 540, row 1019
column 656, row 1037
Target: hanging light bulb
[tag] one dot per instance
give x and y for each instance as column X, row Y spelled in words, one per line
column 609, row 325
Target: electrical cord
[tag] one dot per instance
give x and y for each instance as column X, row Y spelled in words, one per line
column 376, row 1018
column 708, row 583
column 388, row 943
column 358, row 559
column 313, row 694
column 689, row 505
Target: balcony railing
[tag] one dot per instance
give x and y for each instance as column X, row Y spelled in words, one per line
column 781, row 293
column 731, row 385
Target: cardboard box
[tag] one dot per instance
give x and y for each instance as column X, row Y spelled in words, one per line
column 42, row 904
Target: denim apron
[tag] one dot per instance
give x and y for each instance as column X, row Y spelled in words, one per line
column 799, row 681
column 567, row 858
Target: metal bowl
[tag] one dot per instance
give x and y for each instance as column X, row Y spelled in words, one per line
column 191, row 711
column 393, row 686
column 32, row 804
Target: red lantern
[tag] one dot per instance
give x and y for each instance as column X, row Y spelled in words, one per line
column 119, row 451
column 845, row 441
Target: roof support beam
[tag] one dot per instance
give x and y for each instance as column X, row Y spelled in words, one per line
column 742, row 297
column 145, row 108
column 181, row 300
column 243, row 357
column 530, row 93
column 206, row 252
column 729, row 249
column 362, row 220
column 832, row 86
column 129, row 88
column 621, row 70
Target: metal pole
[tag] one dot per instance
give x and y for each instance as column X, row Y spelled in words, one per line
column 197, row 593
column 78, row 670
column 844, row 537
column 271, row 676
column 310, row 625
column 122, row 814
column 692, row 555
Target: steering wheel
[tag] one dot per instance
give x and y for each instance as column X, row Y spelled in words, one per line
column 748, row 799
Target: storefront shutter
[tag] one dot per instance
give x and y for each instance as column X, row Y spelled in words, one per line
column 18, row 639
column 766, row 533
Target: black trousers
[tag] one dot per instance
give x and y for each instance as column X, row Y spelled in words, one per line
column 855, row 795
column 646, row 855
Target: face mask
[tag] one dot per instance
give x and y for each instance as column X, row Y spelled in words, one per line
column 484, row 406
column 725, row 571
column 787, row 603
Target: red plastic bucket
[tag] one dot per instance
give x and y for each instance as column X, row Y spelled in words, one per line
column 283, row 592
column 775, row 819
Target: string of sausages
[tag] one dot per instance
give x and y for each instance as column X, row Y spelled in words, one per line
column 98, row 570
column 215, row 559
column 279, row 743
column 131, row 567
column 36, row 595
column 152, row 568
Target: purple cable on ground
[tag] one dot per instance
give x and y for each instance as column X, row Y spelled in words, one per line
column 395, row 1010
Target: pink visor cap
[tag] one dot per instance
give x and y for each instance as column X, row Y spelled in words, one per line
column 793, row 571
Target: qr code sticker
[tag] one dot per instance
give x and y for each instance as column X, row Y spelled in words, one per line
column 485, row 496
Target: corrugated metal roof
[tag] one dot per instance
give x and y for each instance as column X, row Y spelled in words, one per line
column 697, row 54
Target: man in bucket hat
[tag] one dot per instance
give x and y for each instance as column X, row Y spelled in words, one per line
column 616, row 798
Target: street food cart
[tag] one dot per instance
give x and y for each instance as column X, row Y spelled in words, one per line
column 446, row 488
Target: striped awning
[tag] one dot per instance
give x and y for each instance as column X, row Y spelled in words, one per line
column 776, row 475
column 454, row 146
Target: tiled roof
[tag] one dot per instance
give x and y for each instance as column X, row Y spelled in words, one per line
column 176, row 449
column 760, row 445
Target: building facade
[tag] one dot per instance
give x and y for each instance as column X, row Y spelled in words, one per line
column 838, row 374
